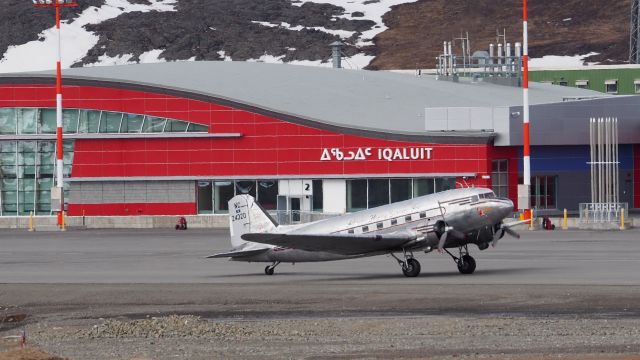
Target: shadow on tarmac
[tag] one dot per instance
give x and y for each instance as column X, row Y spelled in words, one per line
column 378, row 276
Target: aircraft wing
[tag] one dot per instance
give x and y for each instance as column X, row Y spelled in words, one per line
column 237, row 253
column 333, row 243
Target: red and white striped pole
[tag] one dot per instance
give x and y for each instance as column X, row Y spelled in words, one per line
column 59, row 152
column 525, row 113
column 59, row 184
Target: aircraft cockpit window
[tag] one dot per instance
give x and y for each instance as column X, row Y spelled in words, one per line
column 365, row 228
column 475, row 198
column 489, row 195
column 379, row 226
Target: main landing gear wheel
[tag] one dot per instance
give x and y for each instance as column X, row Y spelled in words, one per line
column 269, row 270
column 412, row 268
column 466, row 264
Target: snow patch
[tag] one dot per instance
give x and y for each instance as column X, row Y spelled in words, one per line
column 344, row 34
column 372, row 11
column 106, row 60
column 553, row 61
column 223, row 56
column 41, row 54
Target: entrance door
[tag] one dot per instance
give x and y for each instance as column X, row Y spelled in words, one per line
column 205, row 203
column 295, row 209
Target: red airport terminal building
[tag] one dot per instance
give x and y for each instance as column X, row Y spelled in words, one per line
column 182, row 138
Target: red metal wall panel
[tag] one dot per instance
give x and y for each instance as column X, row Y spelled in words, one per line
column 267, row 147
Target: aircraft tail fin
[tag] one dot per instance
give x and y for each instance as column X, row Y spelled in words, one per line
column 247, row 216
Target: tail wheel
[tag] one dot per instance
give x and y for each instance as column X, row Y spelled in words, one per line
column 412, row 269
column 466, row 264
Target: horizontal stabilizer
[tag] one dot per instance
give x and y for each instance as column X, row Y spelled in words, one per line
column 338, row 244
column 238, row 253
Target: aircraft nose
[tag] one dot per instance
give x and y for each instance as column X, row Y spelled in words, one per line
column 507, row 207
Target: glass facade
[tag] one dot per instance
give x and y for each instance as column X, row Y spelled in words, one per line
column 27, row 167
column 543, row 192
column 264, row 191
column 369, row 193
column 76, row 121
column 27, row 173
column 500, row 177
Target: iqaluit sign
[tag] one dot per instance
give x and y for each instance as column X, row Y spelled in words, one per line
column 385, row 154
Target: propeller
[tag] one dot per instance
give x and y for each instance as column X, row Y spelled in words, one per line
column 444, row 230
column 500, row 230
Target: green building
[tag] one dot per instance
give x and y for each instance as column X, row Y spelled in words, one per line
column 613, row 79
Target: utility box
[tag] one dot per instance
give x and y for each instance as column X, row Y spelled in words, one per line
column 56, row 199
column 524, row 197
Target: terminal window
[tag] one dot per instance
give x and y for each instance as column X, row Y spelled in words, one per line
column 500, row 177
column 543, row 192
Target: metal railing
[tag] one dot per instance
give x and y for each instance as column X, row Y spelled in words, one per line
column 602, row 212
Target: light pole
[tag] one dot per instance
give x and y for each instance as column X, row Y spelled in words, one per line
column 57, row 192
column 524, row 190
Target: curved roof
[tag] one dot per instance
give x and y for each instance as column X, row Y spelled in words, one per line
column 374, row 101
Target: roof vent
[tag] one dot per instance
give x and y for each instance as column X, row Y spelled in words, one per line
column 336, row 54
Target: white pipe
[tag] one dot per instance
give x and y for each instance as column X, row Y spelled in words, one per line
column 449, row 48
column 445, row 56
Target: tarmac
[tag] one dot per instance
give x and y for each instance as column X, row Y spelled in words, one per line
column 101, row 294
column 168, row 256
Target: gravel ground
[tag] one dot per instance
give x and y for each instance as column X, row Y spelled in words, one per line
column 191, row 337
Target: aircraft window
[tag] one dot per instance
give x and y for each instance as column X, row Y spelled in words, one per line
column 350, row 231
column 365, row 228
column 423, row 215
column 379, row 226
column 407, row 218
column 475, row 198
column 394, row 222
column 489, row 195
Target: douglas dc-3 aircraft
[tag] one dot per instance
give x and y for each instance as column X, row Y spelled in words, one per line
column 444, row 220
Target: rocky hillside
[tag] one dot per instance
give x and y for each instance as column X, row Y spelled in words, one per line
column 557, row 27
column 401, row 34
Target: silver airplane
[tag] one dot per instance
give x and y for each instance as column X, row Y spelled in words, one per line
column 444, row 220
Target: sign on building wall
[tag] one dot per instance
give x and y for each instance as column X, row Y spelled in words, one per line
column 388, row 154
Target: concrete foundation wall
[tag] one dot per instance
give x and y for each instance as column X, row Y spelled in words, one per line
column 116, row 222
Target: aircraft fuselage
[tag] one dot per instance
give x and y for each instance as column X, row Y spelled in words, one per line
column 472, row 212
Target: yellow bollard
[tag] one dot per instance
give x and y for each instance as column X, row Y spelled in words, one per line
column 565, row 226
column 622, row 219
column 30, row 220
column 62, row 228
